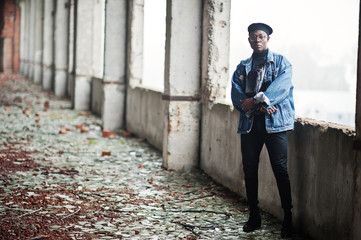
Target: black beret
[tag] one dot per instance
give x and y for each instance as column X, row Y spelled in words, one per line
column 260, row 26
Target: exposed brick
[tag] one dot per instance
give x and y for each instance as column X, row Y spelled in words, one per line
column 10, row 36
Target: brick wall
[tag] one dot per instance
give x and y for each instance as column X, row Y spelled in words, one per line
column 10, row 36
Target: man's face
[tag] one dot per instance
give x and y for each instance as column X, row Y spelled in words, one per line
column 258, row 40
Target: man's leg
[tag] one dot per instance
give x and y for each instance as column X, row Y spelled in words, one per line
column 251, row 145
column 251, row 148
column 277, row 145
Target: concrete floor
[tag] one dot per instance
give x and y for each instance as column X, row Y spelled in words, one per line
column 60, row 181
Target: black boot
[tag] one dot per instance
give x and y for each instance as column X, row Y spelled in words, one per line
column 254, row 221
column 287, row 226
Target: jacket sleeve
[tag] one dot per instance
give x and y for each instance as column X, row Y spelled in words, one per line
column 280, row 87
column 237, row 93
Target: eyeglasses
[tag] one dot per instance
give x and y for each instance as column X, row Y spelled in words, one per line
column 253, row 38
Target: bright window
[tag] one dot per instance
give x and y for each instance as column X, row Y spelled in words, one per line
column 320, row 38
column 154, row 44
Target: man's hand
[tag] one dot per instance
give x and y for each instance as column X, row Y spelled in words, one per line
column 247, row 104
column 269, row 111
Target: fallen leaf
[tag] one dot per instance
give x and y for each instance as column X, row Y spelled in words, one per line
column 106, row 153
column 63, row 131
column 127, row 134
column 106, row 133
column 83, row 114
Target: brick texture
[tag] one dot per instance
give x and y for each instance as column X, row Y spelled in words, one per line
column 10, row 36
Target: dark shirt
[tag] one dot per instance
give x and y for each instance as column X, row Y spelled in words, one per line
column 259, row 59
column 255, row 78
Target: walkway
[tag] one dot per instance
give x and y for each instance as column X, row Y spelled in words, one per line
column 61, row 178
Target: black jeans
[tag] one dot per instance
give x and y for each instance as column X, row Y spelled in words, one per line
column 276, row 144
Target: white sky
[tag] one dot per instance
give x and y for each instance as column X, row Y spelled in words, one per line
column 299, row 21
column 154, row 43
column 328, row 26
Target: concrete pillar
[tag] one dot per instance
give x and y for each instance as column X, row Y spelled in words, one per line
column 22, row 5
column 182, row 84
column 83, row 54
column 38, row 47
column 114, row 64
column 358, row 91
column 31, row 35
column 16, row 55
column 356, row 233
column 215, row 53
column 98, row 38
column 22, row 35
column 26, row 37
column 71, row 50
column 61, row 47
column 135, row 43
column 215, row 73
column 29, row 40
column 48, row 45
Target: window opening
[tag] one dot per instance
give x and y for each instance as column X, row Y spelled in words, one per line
column 154, row 44
column 320, row 38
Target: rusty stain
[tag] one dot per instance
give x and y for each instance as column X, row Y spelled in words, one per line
column 170, row 126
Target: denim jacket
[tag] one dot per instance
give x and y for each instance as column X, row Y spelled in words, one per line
column 279, row 94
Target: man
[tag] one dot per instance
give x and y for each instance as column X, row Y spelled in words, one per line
column 262, row 92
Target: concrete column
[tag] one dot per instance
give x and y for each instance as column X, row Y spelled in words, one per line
column 83, row 54
column 182, row 84
column 135, row 43
column 356, row 233
column 61, row 47
column 215, row 53
column 22, row 46
column 26, row 36
column 98, row 38
column 38, row 41
column 31, row 35
column 358, row 91
column 29, row 40
column 71, row 50
column 114, row 64
column 22, row 35
column 215, row 75
column 216, row 141
column 48, row 45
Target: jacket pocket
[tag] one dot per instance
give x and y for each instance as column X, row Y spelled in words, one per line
column 283, row 117
column 244, row 124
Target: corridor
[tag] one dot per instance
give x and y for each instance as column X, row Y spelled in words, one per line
column 63, row 177
column 90, row 151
